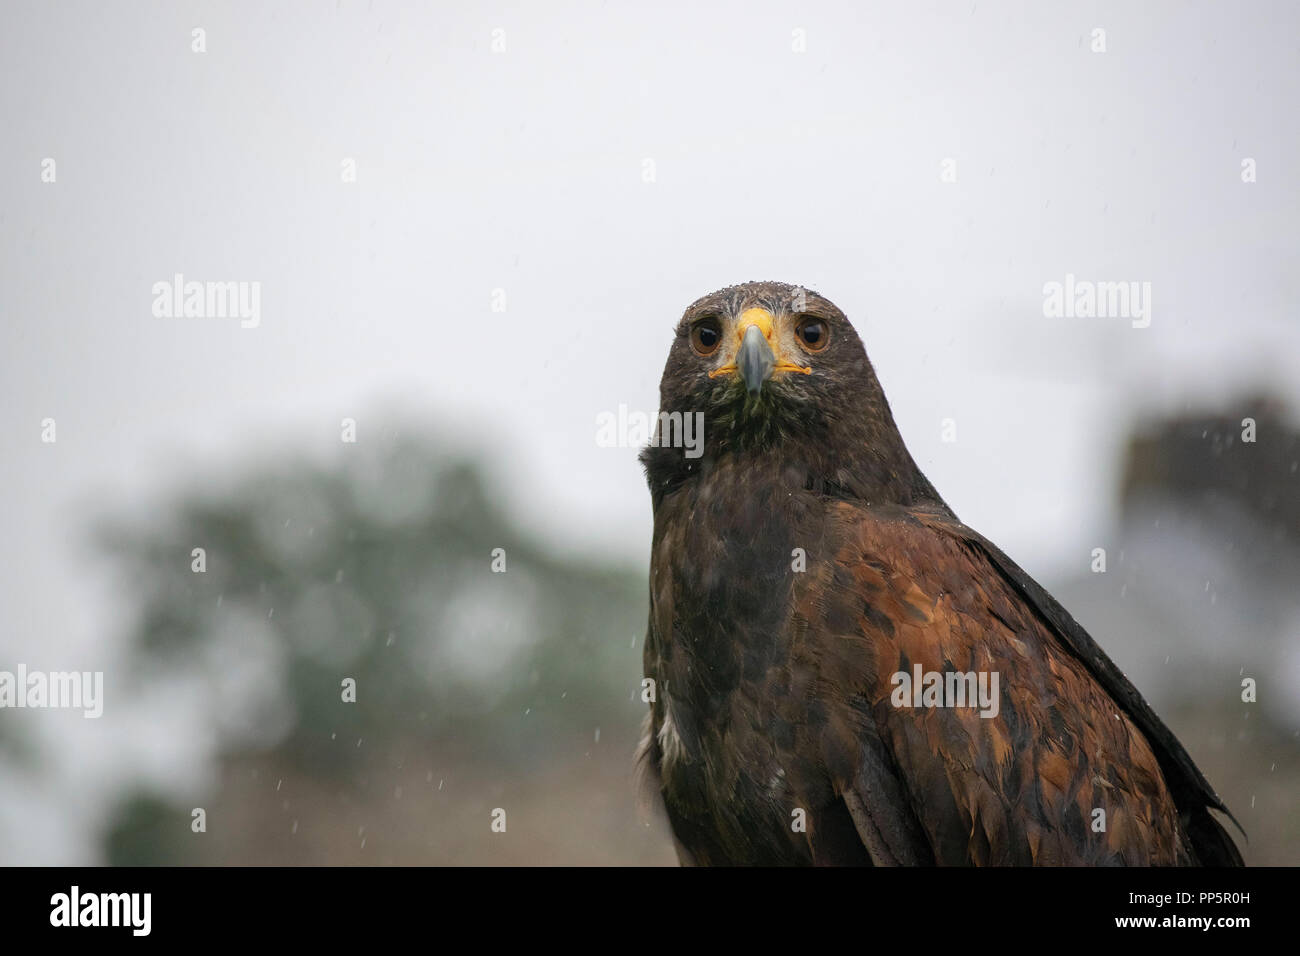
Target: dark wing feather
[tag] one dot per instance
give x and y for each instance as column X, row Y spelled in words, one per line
column 878, row 805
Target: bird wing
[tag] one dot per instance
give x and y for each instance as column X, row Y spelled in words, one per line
column 1070, row 767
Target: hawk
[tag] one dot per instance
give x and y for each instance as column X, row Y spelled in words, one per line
column 840, row 671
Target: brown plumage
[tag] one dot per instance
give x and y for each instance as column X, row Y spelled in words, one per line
column 798, row 567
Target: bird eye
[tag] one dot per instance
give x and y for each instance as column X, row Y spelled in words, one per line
column 705, row 336
column 813, row 334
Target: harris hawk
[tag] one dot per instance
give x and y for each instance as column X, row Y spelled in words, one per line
column 842, row 672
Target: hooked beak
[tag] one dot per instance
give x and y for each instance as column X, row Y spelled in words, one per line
column 755, row 360
column 758, row 355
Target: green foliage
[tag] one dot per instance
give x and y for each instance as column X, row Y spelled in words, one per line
column 378, row 571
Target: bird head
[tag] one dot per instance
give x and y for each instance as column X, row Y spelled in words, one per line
column 763, row 360
column 779, row 372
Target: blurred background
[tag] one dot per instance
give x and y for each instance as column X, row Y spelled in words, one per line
column 474, row 226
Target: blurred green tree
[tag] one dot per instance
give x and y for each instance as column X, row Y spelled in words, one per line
column 473, row 688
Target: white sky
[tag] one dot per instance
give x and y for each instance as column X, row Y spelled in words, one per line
column 523, row 170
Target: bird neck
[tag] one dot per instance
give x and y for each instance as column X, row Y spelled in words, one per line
column 858, row 455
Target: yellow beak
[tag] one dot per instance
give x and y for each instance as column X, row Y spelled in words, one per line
column 758, row 354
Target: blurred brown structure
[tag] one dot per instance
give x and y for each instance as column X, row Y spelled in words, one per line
column 1200, row 594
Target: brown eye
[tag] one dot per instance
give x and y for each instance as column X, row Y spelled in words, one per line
column 813, row 334
column 705, row 336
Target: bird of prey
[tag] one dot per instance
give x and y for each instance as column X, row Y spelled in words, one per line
column 841, row 672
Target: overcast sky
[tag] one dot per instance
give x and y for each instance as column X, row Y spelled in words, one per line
column 606, row 166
